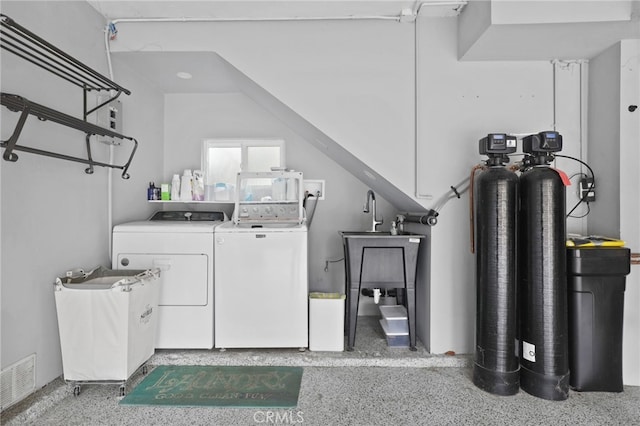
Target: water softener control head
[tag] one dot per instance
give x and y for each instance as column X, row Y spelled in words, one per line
column 497, row 143
column 542, row 143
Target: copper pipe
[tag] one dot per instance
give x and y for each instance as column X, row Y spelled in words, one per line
column 472, row 230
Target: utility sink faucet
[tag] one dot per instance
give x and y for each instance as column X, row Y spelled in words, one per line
column 371, row 198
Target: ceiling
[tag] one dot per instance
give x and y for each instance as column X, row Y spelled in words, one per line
column 208, row 72
column 544, row 30
column 488, row 30
column 160, row 68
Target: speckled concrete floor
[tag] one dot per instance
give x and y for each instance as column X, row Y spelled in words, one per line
column 373, row 385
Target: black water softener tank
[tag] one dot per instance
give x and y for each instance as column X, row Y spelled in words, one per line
column 496, row 364
column 542, row 287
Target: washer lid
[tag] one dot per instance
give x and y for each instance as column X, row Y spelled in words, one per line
column 186, row 216
column 230, row 227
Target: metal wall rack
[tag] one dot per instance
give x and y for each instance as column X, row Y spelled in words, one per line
column 25, row 44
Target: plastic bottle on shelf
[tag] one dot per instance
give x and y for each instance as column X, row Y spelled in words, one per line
column 279, row 189
column 186, row 186
column 175, row 187
column 292, row 189
column 164, row 192
column 198, row 185
column 151, row 191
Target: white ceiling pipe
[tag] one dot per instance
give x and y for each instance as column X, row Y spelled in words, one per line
column 274, row 19
column 405, row 15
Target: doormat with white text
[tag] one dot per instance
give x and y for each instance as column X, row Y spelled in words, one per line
column 218, row 386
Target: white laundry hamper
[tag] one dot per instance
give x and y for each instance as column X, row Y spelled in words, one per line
column 107, row 321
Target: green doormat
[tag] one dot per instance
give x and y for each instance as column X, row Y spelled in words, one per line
column 214, row 386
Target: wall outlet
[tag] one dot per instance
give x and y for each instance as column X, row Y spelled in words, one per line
column 314, row 187
column 110, row 117
column 587, row 190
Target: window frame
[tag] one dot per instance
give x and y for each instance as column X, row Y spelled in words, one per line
column 244, row 144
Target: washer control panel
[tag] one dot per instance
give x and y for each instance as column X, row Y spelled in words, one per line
column 271, row 197
column 281, row 212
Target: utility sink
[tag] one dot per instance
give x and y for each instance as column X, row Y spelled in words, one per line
column 380, row 260
column 380, row 255
column 365, row 232
column 376, row 234
column 377, row 259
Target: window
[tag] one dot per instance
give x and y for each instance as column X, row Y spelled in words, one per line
column 222, row 159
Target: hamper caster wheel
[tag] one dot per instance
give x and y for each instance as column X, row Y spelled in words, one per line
column 144, row 369
column 76, row 390
column 122, row 392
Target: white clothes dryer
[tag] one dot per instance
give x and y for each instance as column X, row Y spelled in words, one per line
column 181, row 244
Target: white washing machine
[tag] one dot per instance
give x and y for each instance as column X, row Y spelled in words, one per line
column 181, row 244
column 261, row 291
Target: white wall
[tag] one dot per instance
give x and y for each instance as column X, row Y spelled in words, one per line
column 630, row 202
column 352, row 80
column 143, row 116
column 191, row 118
column 604, row 137
column 570, row 100
column 613, row 135
column 54, row 216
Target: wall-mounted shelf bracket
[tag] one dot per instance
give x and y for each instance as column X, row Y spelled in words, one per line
column 18, row 40
column 25, row 107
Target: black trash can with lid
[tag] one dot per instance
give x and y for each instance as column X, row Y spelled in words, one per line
column 596, row 283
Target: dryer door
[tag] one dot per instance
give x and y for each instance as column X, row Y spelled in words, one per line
column 184, row 276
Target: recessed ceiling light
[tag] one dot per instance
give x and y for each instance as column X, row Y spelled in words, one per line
column 184, row 75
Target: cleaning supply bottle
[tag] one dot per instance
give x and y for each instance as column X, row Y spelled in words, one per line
column 186, row 186
column 165, row 195
column 151, row 191
column 198, row 185
column 292, row 189
column 175, row 187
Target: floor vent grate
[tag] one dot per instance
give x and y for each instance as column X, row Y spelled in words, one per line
column 17, row 381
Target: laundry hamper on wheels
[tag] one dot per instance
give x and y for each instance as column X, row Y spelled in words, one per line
column 107, row 322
